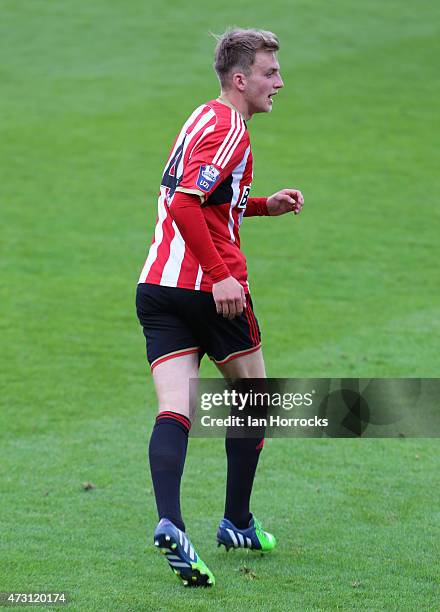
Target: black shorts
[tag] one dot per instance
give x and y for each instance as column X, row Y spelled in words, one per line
column 178, row 322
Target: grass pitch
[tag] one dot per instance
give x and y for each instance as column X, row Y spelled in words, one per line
column 92, row 96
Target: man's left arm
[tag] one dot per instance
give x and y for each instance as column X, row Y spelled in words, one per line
column 279, row 203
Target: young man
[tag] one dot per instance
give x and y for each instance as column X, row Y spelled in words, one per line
column 193, row 294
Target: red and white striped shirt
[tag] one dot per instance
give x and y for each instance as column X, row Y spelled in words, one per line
column 211, row 157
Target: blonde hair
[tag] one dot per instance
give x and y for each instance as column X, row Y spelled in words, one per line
column 236, row 48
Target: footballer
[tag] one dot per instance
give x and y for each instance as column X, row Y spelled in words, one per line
column 193, row 294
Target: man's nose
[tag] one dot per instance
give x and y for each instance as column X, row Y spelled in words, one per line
column 279, row 83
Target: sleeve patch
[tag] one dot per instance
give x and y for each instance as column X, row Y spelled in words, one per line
column 208, row 176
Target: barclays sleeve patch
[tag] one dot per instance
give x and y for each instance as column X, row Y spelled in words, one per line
column 208, row 176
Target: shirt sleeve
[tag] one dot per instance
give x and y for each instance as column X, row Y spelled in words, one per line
column 189, row 218
column 256, row 207
column 210, row 159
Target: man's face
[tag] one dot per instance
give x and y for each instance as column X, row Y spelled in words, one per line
column 263, row 82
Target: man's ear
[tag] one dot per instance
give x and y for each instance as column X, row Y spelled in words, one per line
column 239, row 81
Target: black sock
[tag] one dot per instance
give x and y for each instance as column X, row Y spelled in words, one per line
column 243, row 455
column 243, row 447
column 167, row 452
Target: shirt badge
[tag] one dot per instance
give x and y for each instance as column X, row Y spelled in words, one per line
column 208, row 176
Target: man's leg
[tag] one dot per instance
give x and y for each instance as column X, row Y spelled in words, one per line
column 169, row 438
column 167, row 452
column 248, row 366
column 242, row 453
column 173, row 354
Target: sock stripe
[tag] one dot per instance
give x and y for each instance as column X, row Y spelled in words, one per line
column 176, row 416
column 260, row 445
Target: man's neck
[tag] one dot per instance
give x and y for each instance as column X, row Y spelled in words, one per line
column 236, row 103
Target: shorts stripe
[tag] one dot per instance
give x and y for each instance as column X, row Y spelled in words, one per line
column 255, row 327
column 179, row 353
column 237, row 354
column 257, row 333
column 255, row 324
column 252, row 325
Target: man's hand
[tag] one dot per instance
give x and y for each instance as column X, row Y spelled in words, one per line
column 286, row 200
column 229, row 297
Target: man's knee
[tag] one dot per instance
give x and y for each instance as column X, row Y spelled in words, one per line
column 172, row 383
column 248, row 366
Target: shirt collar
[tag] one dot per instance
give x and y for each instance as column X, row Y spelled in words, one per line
column 227, row 103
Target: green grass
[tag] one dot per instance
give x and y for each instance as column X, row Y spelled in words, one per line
column 92, row 96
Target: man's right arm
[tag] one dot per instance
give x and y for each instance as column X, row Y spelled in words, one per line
column 227, row 292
